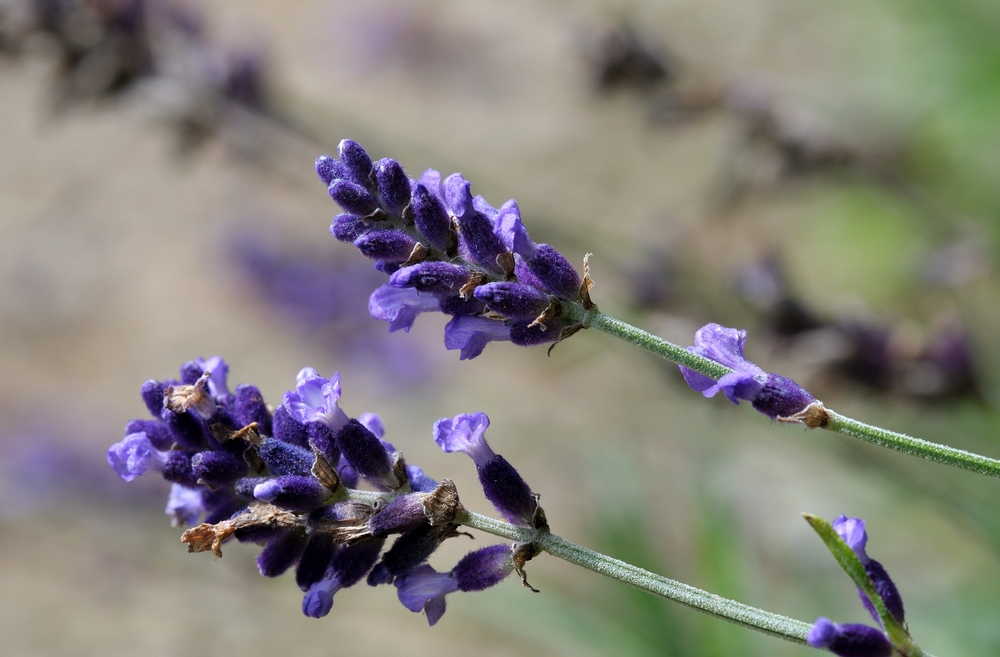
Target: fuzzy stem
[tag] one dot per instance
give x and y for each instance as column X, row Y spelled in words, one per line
column 837, row 422
column 663, row 587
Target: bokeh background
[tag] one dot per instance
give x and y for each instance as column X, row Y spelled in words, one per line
column 824, row 175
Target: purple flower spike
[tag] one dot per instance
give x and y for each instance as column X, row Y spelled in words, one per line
column 431, row 218
column 472, row 334
column 315, row 399
column 431, row 277
column 388, row 245
column 356, row 160
column 849, row 639
column 400, row 306
column 134, row 456
column 393, row 185
column 852, row 530
column 465, row 433
column 513, row 300
column 352, row 197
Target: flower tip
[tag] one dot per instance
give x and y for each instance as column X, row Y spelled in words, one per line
column 317, row 602
column 822, row 633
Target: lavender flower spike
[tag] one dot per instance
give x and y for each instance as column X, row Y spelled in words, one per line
column 773, row 395
column 502, row 484
column 315, row 399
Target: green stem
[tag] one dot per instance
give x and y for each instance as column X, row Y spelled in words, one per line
column 836, row 422
column 663, row 587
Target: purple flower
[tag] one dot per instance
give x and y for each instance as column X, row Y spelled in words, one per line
column 400, row 306
column 771, row 394
column 315, row 399
column 424, row 589
column 472, row 334
column 134, row 455
column 220, row 372
column 849, row 639
column 184, row 505
column 502, row 484
column 852, row 530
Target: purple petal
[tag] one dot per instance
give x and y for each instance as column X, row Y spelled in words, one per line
column 422, row 584
column 465, row 433
column 184, row 505
column 457, row 194
column 472, row 334
column 134, row 455
column 852, row 530
column 400, row 306
column 220, row 371
column 512, row 232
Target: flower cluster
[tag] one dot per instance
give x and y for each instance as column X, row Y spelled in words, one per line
column 287, row 479
column 853, row 639
column 774, row 395
column 445, row 250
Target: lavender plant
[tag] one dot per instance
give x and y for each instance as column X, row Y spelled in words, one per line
column 322, row 492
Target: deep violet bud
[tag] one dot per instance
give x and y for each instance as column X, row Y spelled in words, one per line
column 245, row 487
column 400, row 306
column 364, row 452
column 152, row 395
column 249, row 406
column 393, row 185
column 218, row 467
column 315, row 560
column 431, row 218
column 352, row 197
column 287, row 429
column 456, row 305
column 477, row 240
column 386, row 245
column 472, row 334
column 852, row 530
column 286, row 458
column 513, row 300
column 281, row 552
column 356, row 160
column 348, row 227
column 293, row 493
column 781, row 397
column 423, row 589
column 555, row 272
column 157, row 432
column 315, row 399
column 184, row 505
column 849, row 639
column 347, row 567
column 433, row 277
column 186, row 428
column 502, row 484
column 328, row 169
column 134, row 455
column 373, row 423
column 403, row 514
column 221, row 504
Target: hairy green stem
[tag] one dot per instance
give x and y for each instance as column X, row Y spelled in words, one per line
column 663, row 587
column 836, row 422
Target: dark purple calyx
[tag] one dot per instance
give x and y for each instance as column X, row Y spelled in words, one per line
column 328, row 169
column 434, row 277
column 781, row 397
column 390, row 246
column 356, row 160
column 285, row 458
column 364, row 452
column 218, row 467
column 527, row 334
column 352, row 197
column 315, row 560
column 393, row 185
column 288, row 429
column 292, row 493
column 281, row 552
column 432, row 219
column 249, row 406
column 849, row 639
column 507, row 491
column 513, row 300
column 554, row 272
column 152, row 395
column 156, row 431
column 403, row 514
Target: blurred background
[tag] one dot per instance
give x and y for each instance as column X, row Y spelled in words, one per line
column 823, row 175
